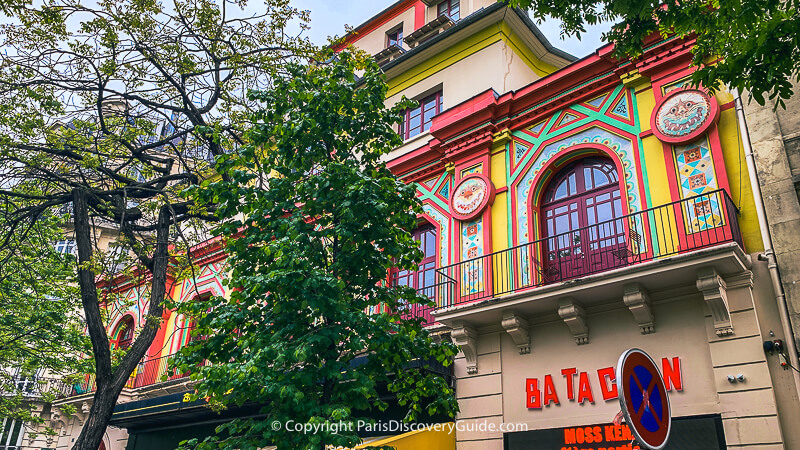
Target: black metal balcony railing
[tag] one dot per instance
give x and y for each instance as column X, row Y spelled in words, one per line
column 682, row 226
column 147, row 373
column 433, row 292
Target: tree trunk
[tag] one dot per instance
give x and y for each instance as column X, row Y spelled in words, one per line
column 110, row 383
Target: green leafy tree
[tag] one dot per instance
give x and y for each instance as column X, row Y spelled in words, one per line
column 757, row 41
column 314, row 221
column 41, row 334
column 109, row 109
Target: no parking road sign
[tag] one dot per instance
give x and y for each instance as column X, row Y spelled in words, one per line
column 643, row 399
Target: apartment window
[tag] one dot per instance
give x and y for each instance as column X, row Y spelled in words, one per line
column 395, row 37
column 10, row 434
column 123, row 334
column 26, row 384
column 449, row 8
column 67, row 247
column 419, row 119
column 423, row 278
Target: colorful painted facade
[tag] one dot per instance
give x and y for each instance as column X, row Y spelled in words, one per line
column 580, row 208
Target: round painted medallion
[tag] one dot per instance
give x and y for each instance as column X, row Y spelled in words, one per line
column 684, row 115
column 471, row 196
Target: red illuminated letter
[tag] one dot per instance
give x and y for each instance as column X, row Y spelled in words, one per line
column 534, row 395
column 585, row 389
column 569, row 374
column 607, row 375
column 550, row 395
column 672, row 373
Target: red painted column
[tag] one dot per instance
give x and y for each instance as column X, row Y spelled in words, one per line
column 153, row 362
column 419, row 15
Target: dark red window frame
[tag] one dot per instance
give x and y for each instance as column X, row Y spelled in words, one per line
column 419, row 119
column 125, row 333
column 425, row 275
column 580, row 196
column 395, row 37
column 449, row 8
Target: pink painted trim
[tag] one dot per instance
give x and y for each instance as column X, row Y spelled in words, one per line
column 713, row 117
column 515, row 185
column 627, row 94
column 646, row 133
column 419, row 15
column 715, row 145
column 501, row 190
column 557, row 125
column 368, row 27
column 487, row 199
column 665, row 79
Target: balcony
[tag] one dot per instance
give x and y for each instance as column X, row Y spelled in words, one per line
column 149, row 372
column 433, row 292
column 685, row 226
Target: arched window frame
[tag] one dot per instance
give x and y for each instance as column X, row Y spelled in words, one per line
column 126, row 325
column 551, row 169
column 538, row 224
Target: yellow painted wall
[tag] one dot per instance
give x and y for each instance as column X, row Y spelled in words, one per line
column 738, row 179
column 652, row 150
column 465, row 48
column 500, row 207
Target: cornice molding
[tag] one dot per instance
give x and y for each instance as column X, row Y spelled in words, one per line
column 472, row 125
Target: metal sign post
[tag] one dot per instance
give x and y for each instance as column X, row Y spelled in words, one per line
column 643, row 399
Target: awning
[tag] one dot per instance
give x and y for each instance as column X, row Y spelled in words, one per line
column 426, row 439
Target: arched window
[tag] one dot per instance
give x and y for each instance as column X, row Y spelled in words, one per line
column 124, row 333
column 425, row 276
column 580, row 210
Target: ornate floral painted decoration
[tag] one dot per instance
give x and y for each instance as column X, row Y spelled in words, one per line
column 684, row 115
column 471, row 196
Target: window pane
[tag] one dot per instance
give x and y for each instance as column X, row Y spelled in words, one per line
column 430, row 247
column 562, row 224
column 572, row 188
column 561, row 191
column 600, row 179
column 427, row 125
column 455, row 12
column 414, row 123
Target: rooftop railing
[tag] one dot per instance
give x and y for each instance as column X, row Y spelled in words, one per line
column 686, row 225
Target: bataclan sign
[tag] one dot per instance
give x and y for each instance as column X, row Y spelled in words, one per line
column 542, row 392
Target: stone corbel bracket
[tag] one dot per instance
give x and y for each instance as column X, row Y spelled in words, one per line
column 715, row 293
column 467, row 339
column 517, row 328
column 638, row 301
column 575, row 317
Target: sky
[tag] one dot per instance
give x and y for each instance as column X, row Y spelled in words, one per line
column 328, row 18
